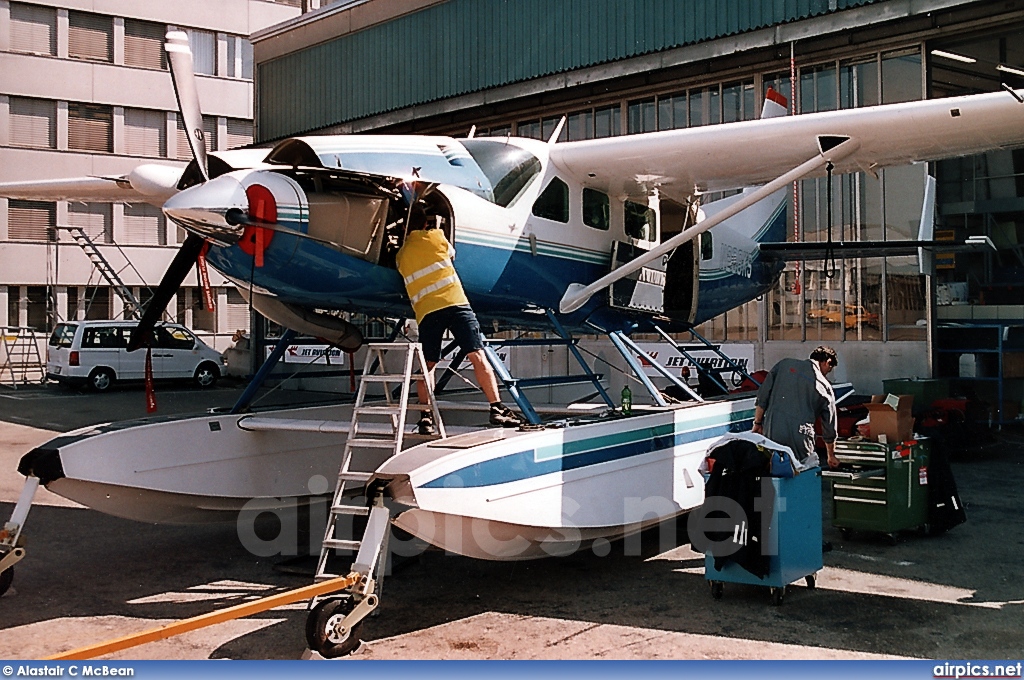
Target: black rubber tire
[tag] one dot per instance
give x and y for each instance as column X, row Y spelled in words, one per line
column 317, row 622
column 101, row 379
column 892, row 539
column 810, row 581
column 6, row 577
column 206, row 376
column 846, row 533
column 777, row 595
column 717, row 588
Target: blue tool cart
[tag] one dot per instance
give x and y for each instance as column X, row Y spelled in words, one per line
column 793, row 540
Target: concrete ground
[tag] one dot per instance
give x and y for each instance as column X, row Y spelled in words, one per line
column 89, row 577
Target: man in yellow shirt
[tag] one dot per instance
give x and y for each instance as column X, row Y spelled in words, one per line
column 440, row 304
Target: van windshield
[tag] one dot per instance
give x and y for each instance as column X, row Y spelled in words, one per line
column 63, row 334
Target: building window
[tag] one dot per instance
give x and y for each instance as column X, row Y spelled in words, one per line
column 33, row 123
column 237, row 312
column 184, row 151
column 90, row 127
column 33, row 29
column 97, row 303
column 90, row 36
column 608, row 121
column 144, row 44
column 596, row 209
column 672, row 112
column 580, row 126
column 204, row 51
column 39, row 309
column 31, row 220
column 641, row 116
column 239, row 133
column 93, row 218
column 144, row 225
column 239, row 58
column 553, row 202
column 145, row 133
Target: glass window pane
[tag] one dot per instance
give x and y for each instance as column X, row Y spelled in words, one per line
column 732, row 103
column 697, row 116
column 858, row 84
column 607, row 122
column 901, row 77
column 596, row 209
column 580, row 126
column 553, row 202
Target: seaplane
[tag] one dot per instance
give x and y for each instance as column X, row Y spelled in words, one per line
column 605, row 236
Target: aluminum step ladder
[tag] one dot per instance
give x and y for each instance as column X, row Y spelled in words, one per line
column 133, row 308
column 364, row 440
column 21, row 358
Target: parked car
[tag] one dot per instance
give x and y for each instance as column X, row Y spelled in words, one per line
column 94, row 354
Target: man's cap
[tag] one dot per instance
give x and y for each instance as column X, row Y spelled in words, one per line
column 825, row 353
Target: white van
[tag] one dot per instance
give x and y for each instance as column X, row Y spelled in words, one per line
column 93, row 353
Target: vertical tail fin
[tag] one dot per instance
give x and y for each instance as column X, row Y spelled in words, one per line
column 775, row 105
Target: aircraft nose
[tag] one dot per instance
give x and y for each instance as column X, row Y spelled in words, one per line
column 203, row 209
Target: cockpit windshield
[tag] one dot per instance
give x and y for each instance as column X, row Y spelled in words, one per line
column 508, row 168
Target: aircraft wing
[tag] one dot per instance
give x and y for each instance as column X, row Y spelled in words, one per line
column 106, row 189
column 734, row 155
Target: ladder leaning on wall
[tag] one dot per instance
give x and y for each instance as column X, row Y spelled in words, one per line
column 21, row 361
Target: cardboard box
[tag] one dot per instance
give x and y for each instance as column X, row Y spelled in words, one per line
column 891, row 415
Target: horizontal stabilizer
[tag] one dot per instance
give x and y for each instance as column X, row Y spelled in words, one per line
column 852, row 249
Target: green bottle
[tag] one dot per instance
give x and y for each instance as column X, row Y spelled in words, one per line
column 627, row 401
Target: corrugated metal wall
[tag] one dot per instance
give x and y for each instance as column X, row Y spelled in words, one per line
column 464, row 46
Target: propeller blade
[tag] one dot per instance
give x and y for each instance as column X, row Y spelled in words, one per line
column 179, row 268
column 179, row 55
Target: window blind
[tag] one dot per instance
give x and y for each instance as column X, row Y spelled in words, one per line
column 237, row 311
column 31, row 220
column 145, row 132
column 33, row 29
column 90, row 127
column 94, row 218
column 143, row 44
column 204, row 51
column 90, row 36
column 239, row 133
column 33, row 123
column 144, row 225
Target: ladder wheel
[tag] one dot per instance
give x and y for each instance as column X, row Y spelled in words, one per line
column 6, row 577
column 320, row 634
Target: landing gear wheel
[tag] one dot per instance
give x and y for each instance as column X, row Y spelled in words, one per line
column 809, row 580
column 891, row 539
column 6, row 577
column 717, row 587
column 846, row 533
column 320, row 634
column 101, row 379
column 777, row 595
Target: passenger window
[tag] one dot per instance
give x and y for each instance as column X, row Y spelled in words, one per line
column 63, row 335
column 174, row 338
column 596, row 209
column 639, row 221
column 553, row 202
column 102, row 338
column 707, row 246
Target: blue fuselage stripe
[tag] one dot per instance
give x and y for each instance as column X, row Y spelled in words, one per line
column 528, row 464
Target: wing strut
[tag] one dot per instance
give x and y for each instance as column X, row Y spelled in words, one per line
column 578, row 294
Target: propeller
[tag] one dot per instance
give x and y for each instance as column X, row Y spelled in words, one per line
column 183, row 77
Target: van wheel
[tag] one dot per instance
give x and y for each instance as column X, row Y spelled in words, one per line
column 101, row 379
column 206, row 375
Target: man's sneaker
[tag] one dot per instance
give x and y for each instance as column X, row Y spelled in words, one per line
column 426, row 425
column 502, row 416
